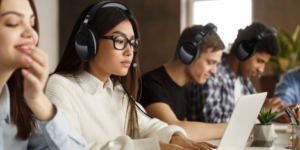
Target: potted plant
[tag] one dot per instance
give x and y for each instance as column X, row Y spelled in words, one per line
column 264, row 131
column 289, row 51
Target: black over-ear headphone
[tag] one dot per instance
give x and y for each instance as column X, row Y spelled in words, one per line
column 86, row 40
column 188, row 51
column 246, row 48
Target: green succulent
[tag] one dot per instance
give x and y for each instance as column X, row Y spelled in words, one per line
column 289, row 51
column 266, row 116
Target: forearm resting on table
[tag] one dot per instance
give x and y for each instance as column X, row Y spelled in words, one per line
column 199, row 131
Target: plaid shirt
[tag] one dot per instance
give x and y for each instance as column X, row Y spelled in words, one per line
column 214, row 101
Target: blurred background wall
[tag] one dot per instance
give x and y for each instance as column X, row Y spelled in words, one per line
column 277, row 13
column 161, row 21
column 48, row 13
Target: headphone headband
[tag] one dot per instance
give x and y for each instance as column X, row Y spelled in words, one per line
column 267, row 33
column 90, row 15
column 206, row 30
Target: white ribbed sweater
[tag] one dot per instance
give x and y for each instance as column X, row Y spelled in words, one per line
column 98, row 113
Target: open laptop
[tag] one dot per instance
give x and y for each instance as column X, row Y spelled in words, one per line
column 241, row 122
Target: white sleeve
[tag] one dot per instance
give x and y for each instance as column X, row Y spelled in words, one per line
column 151, row 131
column 62, row 131
column 128, row 143
column 157, row 128
column 58, row 93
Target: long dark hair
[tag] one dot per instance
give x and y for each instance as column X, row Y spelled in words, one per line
column 20, row 113
column 70, row 63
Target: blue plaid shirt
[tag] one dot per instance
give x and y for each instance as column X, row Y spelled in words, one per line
column 214, row 101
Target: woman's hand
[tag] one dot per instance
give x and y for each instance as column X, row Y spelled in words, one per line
column 36, row 75
column 35, row 78
column 166, row 146
column 186, row 143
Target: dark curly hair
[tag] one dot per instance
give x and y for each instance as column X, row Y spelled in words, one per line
column 268, row 45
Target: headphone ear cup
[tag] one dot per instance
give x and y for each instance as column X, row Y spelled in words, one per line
column 95, row 44
column 188, row 52
column 81, row 45
column 244, row 50
column 86, row 44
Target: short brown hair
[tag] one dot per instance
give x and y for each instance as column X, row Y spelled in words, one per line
column 212, row 40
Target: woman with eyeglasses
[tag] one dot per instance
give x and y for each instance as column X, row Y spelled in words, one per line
column 94, row 101
column 28, row 120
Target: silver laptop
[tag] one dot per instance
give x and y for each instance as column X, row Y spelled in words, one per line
column 241, row 122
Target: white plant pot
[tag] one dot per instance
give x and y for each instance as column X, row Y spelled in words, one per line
column 264, row 132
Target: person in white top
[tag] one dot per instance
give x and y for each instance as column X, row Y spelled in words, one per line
column 92, row 99
column 28, row 120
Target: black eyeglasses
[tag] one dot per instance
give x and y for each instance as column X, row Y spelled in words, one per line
column 120, row 42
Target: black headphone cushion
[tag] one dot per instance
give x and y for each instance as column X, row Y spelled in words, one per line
column 188, row 52
column 245, row 49
column 86, row 44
